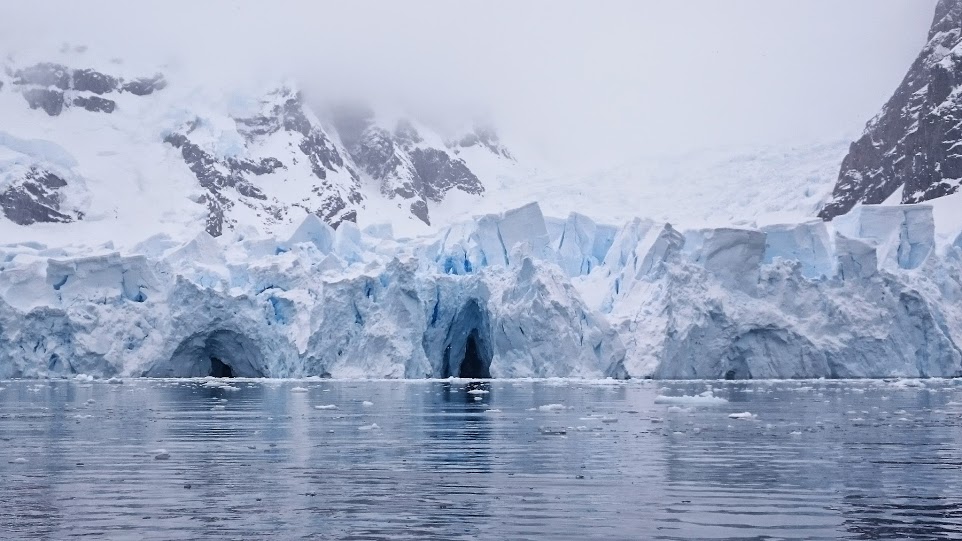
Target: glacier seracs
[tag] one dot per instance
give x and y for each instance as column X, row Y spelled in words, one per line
column 502, row 295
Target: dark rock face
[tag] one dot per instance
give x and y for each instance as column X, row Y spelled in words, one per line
column 420, row 209
column 915, row 143
column 96, row 104
column 438, row 173
column 231, row 181
column 53, row 87
column 400, row 162
column 87, row 80
column 51, row 101
column 208, row 171
column 35, row 198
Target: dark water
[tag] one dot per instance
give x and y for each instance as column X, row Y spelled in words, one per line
column 821, row 460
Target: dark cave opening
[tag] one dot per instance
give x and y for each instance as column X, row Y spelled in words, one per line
column 220, row 370
column 220, row 353
column 473, row 365
column 468, row 347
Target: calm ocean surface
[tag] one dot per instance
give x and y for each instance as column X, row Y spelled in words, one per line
column 320, row 459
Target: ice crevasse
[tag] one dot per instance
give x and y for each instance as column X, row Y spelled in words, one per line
column 872, row 294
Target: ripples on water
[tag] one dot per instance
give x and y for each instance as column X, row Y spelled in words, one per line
column 432, row 460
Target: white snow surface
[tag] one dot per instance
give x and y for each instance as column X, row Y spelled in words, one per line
column 524, row 297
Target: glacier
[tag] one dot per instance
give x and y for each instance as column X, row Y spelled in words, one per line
column 874, row 293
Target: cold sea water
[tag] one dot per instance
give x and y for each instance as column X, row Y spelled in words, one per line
column 322, row 459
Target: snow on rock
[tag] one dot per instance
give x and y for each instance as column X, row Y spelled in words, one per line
column 909, row 150
column 495, row 297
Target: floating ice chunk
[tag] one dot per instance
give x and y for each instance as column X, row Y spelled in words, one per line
column 745, row 416
column 218, row 384
column 299, row 390
column 367, row 403
column 609, row 420
column 551, row 407
column 372, row 426
column 553, row 430
column 83, row 377
column 20, row 460
column 160, row 454
column 115, row 381
column 700, row 400
column 478, row 391
column 326, row 407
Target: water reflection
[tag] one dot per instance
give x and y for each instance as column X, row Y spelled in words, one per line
column 479, row 460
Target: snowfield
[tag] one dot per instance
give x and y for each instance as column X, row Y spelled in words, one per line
column 876, row 293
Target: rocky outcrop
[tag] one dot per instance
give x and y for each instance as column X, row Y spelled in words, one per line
column 403, row 164
column 54, row 87
column 36, row 198
column 915, row 143
column 327, row 185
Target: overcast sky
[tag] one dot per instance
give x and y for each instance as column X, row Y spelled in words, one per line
column 573, row 81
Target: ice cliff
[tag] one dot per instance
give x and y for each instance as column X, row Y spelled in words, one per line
column 872, row 294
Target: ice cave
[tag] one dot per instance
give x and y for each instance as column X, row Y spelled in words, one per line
column 467, row 351
column 221, row 354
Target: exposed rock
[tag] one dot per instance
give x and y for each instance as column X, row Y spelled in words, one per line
column 332, row 195
column 35, row 198
column 53, row 87
column 209, row 172
column 51, row 101
column 95, row 104
column 88, row 80
column 438, row 173
column 400, row 161
column 913, row 144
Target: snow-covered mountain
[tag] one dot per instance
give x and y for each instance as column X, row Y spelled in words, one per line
column 406, row 163
column 76, row 131
column 152, row 227
column 910, row 150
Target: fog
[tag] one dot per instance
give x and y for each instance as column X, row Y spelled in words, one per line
column 571, row 82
